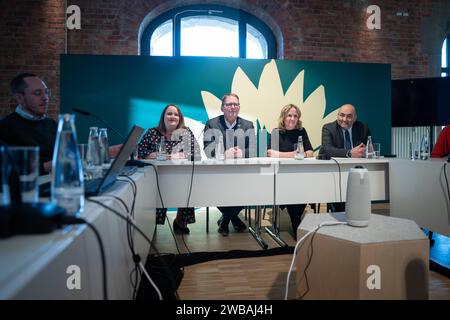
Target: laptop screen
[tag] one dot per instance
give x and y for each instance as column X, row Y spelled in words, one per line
column 119, row 162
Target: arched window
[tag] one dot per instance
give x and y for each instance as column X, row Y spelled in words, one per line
column 445, row 57
column 208, row 30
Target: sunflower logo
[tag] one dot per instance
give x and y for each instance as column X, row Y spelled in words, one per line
column 262, row 104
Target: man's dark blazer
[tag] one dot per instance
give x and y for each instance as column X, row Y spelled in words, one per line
column 333, row 138
column 218, row 123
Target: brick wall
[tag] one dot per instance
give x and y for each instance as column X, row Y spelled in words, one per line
column 33, row 36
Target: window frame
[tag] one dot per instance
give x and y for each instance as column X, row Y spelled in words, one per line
column 243, row 18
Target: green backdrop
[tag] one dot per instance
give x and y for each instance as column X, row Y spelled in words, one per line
column 127, row 90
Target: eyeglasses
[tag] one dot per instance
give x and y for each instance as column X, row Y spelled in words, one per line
column 39, row 92
column 230, row 104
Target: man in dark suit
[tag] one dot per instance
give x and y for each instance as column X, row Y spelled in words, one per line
column 239, row 141
column 345, row 137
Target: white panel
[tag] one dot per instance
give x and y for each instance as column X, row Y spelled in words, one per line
column 419, row 192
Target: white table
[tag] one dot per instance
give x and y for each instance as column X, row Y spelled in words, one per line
column 316, row 181
column 233, row 182
column 262, row 181
column 34, row 266
column 216, row 183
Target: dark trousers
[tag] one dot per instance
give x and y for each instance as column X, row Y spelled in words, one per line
column 187, row 215
column 336, row 207
column 230, row 214
column 295, row 212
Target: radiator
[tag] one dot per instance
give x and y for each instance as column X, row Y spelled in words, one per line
column 401, row 137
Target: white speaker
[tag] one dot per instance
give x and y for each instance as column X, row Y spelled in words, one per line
column 358, row 205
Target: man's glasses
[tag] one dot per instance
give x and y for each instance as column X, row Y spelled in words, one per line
column 40, row 92
column 230, row 104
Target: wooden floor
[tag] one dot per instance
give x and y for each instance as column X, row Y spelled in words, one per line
column 262, row 278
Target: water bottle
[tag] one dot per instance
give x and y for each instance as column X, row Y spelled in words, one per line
column 104, row 147
column 300, row 151
column 220, row 150
column 93, row 157
column 162, row 155
column 424, row 147
column 67, row 171
column 369, row 148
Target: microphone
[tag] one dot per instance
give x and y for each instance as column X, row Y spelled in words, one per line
column 193, row 143
column 86, row 113
column 132, row 162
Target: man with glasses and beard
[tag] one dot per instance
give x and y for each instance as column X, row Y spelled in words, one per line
column 29, row 124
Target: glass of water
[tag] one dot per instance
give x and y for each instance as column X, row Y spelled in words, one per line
column 26, row 163
column 376, row 150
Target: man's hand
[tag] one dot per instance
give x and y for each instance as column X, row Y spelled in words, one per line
column 359, row 151
column 234, row 152
column 177, row 155
column 272, row 153
column 114, row 150
column 152, row 155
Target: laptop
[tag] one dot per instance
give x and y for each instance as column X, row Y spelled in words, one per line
column 95, row 187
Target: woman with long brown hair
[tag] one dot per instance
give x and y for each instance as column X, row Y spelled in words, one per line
column 179, row 143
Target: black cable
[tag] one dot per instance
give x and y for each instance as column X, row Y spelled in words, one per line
column 310, row 255
column 165, row 266
column 446, row 181
column 157, row 184
column 340, row 187
column 190, row 186
column 74, row 220
column 135, row 282
column 136, row 257
column 187, row 205
column 134, row 187
column 162, row 205
column 192, row 156
column 173, row 233
column 118, row 199
column 102, row 253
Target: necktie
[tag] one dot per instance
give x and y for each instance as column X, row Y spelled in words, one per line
column 348, row 143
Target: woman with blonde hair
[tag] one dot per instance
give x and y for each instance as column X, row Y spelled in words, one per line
column 288, row 131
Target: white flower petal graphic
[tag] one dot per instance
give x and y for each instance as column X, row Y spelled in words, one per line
column 197, row 129
column 295, row 90
column 212, row 104
column 263, row 103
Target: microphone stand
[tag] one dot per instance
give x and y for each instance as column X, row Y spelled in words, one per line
column 130, row 163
